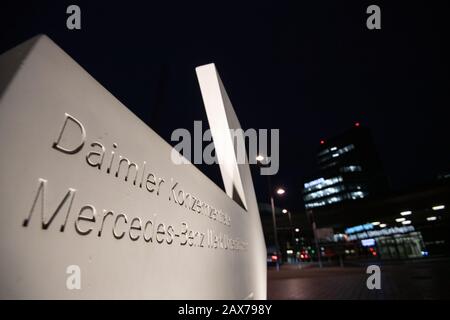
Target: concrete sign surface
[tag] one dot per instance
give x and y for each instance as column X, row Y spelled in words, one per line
column 91, row 205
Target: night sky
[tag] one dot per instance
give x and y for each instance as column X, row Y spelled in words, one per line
column 311, row 69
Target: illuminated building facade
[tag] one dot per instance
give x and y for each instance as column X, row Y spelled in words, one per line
column 411, row 223
column 348, row 169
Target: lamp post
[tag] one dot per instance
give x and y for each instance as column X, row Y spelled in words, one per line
column 297, row 240
column 279, row 191
column 285, row 211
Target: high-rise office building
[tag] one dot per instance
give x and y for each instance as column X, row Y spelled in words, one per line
column 348, row 169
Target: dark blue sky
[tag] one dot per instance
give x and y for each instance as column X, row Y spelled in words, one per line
column 311, row 69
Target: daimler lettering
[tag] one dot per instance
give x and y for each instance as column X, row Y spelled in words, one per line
column 122, row 167
column 117, row 165
column 89, row 221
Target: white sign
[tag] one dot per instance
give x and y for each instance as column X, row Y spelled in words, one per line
column 381, row 232
column 85, row 183
column 368, row 242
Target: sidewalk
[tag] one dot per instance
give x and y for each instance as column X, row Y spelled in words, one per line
column 420, row 280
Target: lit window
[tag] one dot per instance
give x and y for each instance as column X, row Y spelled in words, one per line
column 323, row 193
column 315, row 204
column 351, row 168
column 324, row 156
column 321, row 183
column 314, row 182
column 334, row 199
column 358, row 194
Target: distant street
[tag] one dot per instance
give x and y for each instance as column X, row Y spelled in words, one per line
column 402, row 280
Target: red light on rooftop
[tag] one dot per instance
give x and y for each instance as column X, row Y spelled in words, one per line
column 357, row 124
column 322, row 141
column 274, row 258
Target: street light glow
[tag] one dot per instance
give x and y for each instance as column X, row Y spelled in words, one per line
column 382, row 225
column 297, row 230
column 406, row 222
column 400, row 219
column 259, row 158
column 439, row 207
column 405, row 213
column 284, row 211
column 433, row 218
column 280, row 191
column 376, row 223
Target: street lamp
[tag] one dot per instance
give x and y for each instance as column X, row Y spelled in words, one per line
column 259, row 158
column 290, row 223
column 279, row 191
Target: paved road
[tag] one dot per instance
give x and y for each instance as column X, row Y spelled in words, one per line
column 403, row 280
